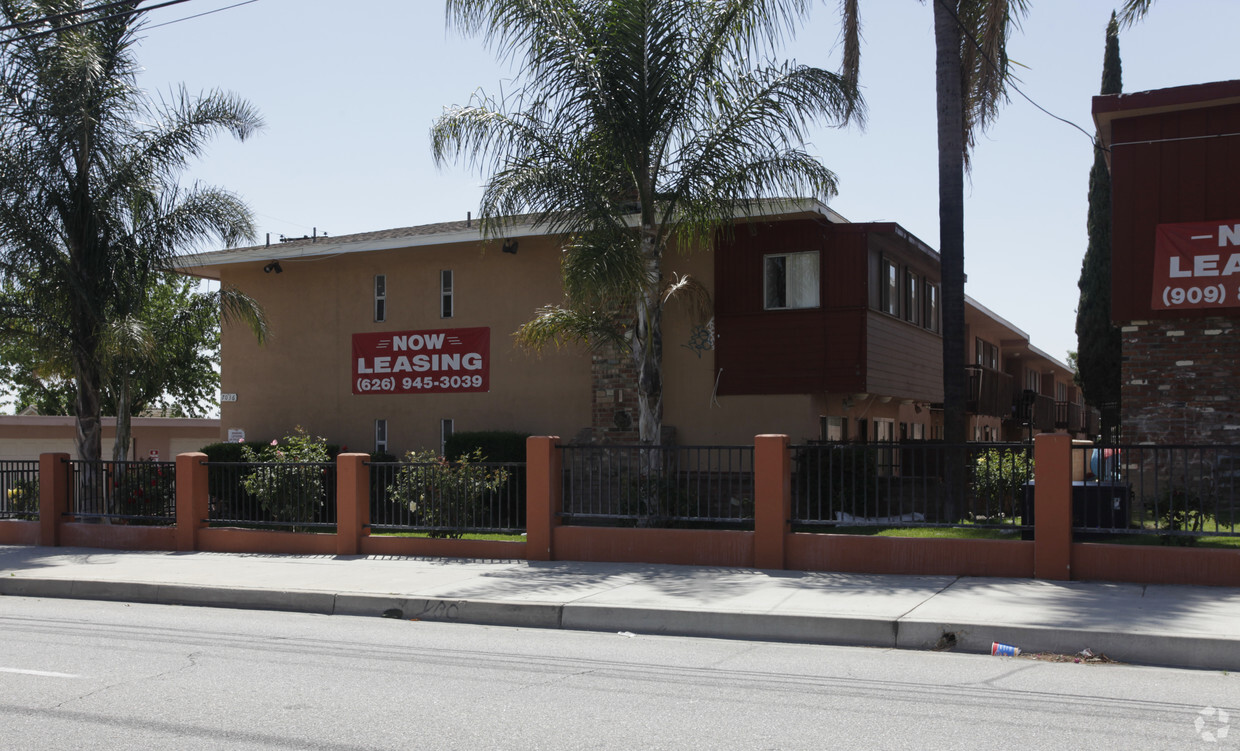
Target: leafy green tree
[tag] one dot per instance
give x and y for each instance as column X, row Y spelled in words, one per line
column 638, row 125
column 165, row 357
column 90, row 204
column 1098, row 339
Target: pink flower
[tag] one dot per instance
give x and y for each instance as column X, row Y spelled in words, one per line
column 273, row 442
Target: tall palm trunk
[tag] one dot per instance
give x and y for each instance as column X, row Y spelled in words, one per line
column 950, row 106
column 648, row 358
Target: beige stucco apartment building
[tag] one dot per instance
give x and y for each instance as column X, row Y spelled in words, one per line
column 821, row 329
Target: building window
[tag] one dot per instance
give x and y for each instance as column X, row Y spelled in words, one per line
column 381, row 441
column 986, row 354
column 932, row 306
column 912, row 298
column 890, row 292
column 380, row 298
column 1033, row 380
column 445, row 293
column 446, row 429
column 833, row 428
column 919, row 431
column 790, row 280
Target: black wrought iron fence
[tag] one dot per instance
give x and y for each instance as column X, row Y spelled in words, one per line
column 138, row 492
column 907, row 484
column 448, row 498
column 1179, row 492
column 296, row 495
column 19, row 490
column 659, row 485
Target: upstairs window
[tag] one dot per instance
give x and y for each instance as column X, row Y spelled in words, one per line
column 380, row 298
column 889, row 293
column 445, row 293
column 912, row 297
column 986, row 354
column 790, row 280
column 932, row 307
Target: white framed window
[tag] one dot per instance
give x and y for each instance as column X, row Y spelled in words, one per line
column 1033, row 380
column 446, row 429
column 790, row 281
column 445, row 294
column 381, row 436
column 380, row 298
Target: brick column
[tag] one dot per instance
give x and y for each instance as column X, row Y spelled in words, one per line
column 543, row 496
column 772, row 467
column 352, row 502
column 1052, row 499
column 193, row 499
column 53, row 496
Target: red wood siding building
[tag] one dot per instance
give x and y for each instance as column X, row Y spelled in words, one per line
column 1175, row 168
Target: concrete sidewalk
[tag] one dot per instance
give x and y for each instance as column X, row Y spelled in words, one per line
column 1158, row 625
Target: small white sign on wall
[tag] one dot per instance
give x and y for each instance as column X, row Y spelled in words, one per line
column 236, row 435
column 228, row 397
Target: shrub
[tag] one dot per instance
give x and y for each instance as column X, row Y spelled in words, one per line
column 289, row 493
column 495, row 445
column 23, row 499
column 445, row 496
column 999, row 479
column 144, row 489
column 1179, row 510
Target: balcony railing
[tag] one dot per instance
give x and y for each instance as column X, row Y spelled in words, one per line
column 990, row 392
column 1069, row 416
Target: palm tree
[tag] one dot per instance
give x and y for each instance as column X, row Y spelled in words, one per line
column 638, row 125
column 90, row 206
column 971, row 72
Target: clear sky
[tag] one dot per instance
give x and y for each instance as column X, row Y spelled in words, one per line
column 349, row 91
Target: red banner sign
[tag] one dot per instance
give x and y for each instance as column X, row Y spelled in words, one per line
column 441, row 361
column 1196, row 265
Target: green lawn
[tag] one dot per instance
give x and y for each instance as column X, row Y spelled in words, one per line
column 490, row 537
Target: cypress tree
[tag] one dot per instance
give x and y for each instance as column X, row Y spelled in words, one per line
column 1098, row 339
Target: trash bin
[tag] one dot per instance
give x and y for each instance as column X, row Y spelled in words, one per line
column 1096, row 505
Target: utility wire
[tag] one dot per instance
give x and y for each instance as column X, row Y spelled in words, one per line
column 199, row 15
column 66, row 14
column 87, row 22
column 1010, row 81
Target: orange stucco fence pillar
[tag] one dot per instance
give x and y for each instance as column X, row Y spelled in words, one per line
column 543, row 496
column 53, row 496
column 772, row 480
column 352, row 502
column 1052, row 500
column 192, row 499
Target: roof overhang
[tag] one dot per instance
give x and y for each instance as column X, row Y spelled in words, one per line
column 208, row 265
column 1111, row 107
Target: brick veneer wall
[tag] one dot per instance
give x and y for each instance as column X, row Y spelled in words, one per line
column 614, row 408
column 1181, row 381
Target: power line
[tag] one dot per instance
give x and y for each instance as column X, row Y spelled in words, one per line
column 1009, row 80
column 200, row 15
column 87, row 22
column 66, row 14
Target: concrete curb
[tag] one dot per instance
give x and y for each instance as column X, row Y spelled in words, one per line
column 1176, row 650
